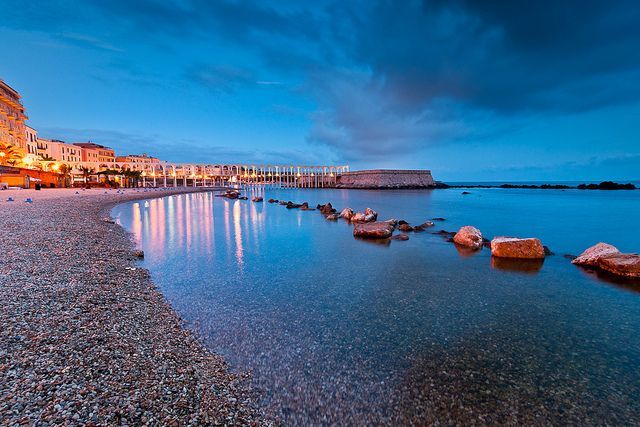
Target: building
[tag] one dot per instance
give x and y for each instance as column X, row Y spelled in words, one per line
column 32, row 142
column 92, row 152
column 137, row 158
column 12, row 118
column 59, row 150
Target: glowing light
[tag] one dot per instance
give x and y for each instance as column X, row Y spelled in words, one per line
column 55, row 167
column 299, row 174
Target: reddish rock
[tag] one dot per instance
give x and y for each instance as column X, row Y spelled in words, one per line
column 370, row 215
column 373, row 230
column 257, row 199
column 591, row 256
column 427, row 224
column 272, row 201
column 332, row 217
column 326, row 209
column 405, row 227
column 400, row 237
column 627, row 265
column 469, row 236
column 346, row 213
column 513, row 247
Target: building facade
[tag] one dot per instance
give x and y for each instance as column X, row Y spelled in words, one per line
column 59, row 150
column 92, row 152
column 32, row 142
column 12, row 118
column 137, row 158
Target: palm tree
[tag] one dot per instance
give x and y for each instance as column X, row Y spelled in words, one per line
column 132, row 177
column 46, row 158
column 65, row 170
column 9, row 154
column 86, row 173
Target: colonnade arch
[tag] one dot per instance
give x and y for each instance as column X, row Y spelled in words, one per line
column 169, row 174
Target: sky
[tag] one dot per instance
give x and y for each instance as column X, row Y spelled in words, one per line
column 475, row 91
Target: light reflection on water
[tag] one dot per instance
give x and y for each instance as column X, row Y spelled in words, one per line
column 350, row 331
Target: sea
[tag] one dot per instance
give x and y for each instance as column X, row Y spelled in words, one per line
column 336, row 330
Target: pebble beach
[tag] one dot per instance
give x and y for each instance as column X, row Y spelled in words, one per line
column 86, row 337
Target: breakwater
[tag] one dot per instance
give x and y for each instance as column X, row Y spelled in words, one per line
column 386, row 179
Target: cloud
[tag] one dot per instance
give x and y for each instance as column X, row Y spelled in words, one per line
column 89, row 42
column 384, row 79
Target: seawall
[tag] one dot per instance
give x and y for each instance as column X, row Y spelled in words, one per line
column 386, row 178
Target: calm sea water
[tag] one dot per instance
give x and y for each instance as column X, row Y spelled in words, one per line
column 339, row 330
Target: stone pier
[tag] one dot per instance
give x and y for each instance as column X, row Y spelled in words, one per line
column 386, row 179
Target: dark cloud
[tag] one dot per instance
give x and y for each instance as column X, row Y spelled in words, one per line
column 386, row 77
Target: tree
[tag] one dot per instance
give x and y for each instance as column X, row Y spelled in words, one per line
column 86, row 173
column 65, row 171
column 46, row 158
column 132, row 177
column 9, row 154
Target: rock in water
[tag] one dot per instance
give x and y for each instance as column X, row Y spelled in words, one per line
column 401, row 236
column 468, row 236
column 627, row 265
column 346, row 213
column 591, row 256
column 513, row 247
column 405, row 227
column 373, row 230
column 326, row 209
column 257, row 199
column 138, row 253
column 332, row 217
column 370, row 214
column 427, row 224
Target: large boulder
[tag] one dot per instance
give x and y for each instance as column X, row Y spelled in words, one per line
column 373, row 230
column 627, row 265
column 591, row 257
column 513, row 247
column 346, row 213
column 468, row 236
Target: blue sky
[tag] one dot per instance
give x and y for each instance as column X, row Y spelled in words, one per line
column 510, row 90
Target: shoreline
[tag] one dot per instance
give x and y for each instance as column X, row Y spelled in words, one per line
column 87, row 336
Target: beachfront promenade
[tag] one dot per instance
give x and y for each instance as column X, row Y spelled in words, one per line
column 168, row 174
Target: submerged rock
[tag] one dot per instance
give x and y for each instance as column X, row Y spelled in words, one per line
column 592, row 255
column 427, row 224
column 513, row 247
column 373, row 230
column 272, row 200
column 469, row 236
column 627, row 265
column 401, row 236
column 257, row 199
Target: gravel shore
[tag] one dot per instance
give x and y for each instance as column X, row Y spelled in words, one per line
column 86, row 337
